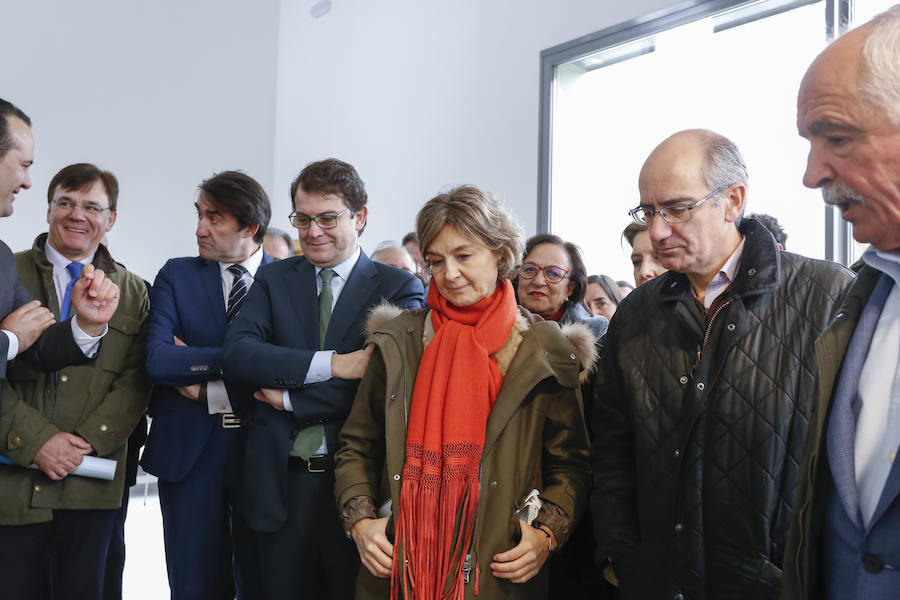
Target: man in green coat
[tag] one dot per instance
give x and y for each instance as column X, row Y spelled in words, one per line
column 55, row 524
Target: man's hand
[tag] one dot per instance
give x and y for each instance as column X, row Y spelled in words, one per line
column 95, row 299
column 274, row 398
column 61, row 454
column 352, row 365
column 375, row 551
column 28, row 322
column 525, row 559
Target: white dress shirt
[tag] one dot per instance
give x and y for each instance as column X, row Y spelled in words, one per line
column 61, row 278
column 216, row 396
column 878, row 422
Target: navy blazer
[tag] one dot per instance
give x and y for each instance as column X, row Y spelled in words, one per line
column 271, row 343
column 186, row 301
column 54, row 349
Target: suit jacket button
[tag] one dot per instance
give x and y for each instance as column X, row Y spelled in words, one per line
column 16, row 441
column 64, row 378
column 872, row 563
column 37, row 487
column 104, row 427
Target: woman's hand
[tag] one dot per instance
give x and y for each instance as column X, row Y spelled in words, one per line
column 375, row 551
column 523, row 561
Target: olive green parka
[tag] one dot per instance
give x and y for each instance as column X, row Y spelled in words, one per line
column 535, row 438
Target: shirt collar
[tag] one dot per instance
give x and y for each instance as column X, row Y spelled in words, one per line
column 59, row 261
column 729, row 269
column 343, row 269
column 251, row 264
column 886, row 261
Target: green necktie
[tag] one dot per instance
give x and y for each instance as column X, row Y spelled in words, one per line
column 325, row 301
column 308, row 440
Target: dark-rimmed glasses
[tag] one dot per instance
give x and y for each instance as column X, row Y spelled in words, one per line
column 552, row 273
column 301, row 221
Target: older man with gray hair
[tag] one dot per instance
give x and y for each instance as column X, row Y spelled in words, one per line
column 845, row 542
column 392, row 253
column 705, row 387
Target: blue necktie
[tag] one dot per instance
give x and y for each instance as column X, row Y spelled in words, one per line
column 74, row 269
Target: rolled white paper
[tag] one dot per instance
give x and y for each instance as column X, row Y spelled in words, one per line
column 91, row 466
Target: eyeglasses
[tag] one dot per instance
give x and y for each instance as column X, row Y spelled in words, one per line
column 670, row 214
column 66, row 206
column 323, row 221
column 552, row 273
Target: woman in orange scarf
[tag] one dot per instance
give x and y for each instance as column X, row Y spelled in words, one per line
column 466, row 408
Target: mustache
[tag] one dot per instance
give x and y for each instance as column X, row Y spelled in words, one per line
column 840, row 193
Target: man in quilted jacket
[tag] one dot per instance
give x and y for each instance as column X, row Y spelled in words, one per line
column 706, row 387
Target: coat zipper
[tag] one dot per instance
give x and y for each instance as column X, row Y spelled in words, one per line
column 700, row 348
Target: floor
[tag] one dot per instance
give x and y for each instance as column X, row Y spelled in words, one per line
column 145, row 558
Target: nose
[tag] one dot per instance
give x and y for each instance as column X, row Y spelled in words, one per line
column 543, row 280
column 27, row 183
column 202, row 230
column 818, row 172
column 451, row 269
column 658, row 229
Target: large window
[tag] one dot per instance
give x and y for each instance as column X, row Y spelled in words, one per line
column 733, row 67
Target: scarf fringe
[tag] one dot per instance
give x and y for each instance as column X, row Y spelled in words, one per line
column 436, row 523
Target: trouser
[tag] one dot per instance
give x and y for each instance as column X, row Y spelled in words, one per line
column 65, row 557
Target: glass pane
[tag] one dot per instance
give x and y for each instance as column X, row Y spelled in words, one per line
column 741, row 82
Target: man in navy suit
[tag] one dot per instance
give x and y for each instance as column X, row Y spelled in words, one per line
column 197, row 434
column 845, row 539
column 299, row 339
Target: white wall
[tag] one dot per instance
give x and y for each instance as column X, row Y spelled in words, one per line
column 418, row 94
column 423, row 95
column 161, row 93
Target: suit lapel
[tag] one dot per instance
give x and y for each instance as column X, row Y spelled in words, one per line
column 211, row 276
column 304, row 299
column 361, row 284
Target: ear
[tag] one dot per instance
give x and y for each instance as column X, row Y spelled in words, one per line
column 570, row 289
column 49, row 208
column 361, row 216
column 111, row 220
column 734, row 202
column 250, row 230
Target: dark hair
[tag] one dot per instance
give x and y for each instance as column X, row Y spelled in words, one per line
column 410, row 237
column 242, row 197
column 609, row 286
column 577, row 270
column 774, row 227
column 7, row 110
column 80, row 177
column 275, row 232
column 631, row 232
column 332, row 176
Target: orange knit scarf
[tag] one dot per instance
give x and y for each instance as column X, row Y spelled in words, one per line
column 455, row 388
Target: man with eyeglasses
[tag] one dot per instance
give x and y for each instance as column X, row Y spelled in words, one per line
column 58, row 523
column 196, row 440
column 706, row 387
column 845, row 540
column 299, row 339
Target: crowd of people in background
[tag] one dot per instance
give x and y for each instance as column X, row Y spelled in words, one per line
column 469, row 412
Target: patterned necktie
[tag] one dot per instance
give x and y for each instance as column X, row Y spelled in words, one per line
column 74, row 269
column 238, row 292
column 325, row 300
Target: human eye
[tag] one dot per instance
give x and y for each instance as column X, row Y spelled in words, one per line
column 327, row 220
column 528, row 270
column 93, row 209
column 636, row 261
column 555, row 273
column 67, row 204
column 676, row 212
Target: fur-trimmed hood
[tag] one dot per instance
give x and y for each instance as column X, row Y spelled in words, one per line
column 579, row 335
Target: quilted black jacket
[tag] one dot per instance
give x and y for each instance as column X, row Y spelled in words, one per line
column 698, row 431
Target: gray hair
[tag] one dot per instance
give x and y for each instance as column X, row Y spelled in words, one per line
column 385, row 245
column 879, row 75
column 724, row 163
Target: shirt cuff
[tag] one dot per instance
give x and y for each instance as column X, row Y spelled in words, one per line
column 217, row 397
column 319, row 367
column 286, row 398
column 13, row 350
column 88, row 344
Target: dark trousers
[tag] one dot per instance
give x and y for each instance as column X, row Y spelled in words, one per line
column 65, row 557
column 210, row 552
column 309, row 557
